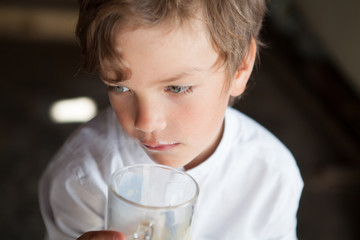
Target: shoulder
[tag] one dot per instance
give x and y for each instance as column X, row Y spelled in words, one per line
column 256, row 175
column 247, row 133
column 255, row 147
column 87, row 149
column 268, row 174
column 94, row 135
column 102, row 127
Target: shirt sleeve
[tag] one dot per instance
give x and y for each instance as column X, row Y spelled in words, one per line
column 72, row 201
column 284, row 206
column 73, row 187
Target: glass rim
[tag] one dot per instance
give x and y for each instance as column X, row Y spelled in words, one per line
column 191, row 200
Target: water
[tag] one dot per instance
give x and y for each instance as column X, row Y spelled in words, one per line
column 160, row 224
column 151, row 203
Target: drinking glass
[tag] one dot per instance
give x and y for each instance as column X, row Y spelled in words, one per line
column 151, row 202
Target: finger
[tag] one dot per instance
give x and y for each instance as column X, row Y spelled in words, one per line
column 102, row 235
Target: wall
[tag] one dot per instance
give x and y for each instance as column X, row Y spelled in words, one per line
column 336, row 23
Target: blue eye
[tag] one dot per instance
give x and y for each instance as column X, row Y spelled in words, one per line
column 120, row 89
column 178, row 89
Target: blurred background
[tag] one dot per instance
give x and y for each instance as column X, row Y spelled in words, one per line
column 306, row 90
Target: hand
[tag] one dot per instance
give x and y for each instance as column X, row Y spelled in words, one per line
column 102, row 235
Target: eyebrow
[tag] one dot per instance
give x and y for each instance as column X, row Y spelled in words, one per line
column 187, row 72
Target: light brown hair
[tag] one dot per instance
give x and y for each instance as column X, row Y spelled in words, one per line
column 231, row 24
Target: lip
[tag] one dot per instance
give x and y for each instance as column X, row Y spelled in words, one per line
column 160, row 147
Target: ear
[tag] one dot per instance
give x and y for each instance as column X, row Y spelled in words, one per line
column 244, row 71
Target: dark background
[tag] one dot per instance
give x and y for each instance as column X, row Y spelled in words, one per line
column 300, row 91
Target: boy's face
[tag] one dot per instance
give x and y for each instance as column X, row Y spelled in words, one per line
column 174, row 103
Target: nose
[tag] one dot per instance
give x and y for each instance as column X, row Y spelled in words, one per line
column 149, row 117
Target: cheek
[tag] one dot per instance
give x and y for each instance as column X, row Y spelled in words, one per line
column 123, row 119
column 122, row 111
column 208, row 114
column 200, row 120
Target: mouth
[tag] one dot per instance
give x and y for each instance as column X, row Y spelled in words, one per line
column 156, row 147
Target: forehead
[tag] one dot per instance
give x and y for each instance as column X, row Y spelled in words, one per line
column 156, row 52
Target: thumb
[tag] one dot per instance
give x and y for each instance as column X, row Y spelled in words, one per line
column 102, row 235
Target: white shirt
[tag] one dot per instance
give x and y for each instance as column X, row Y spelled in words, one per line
column 249, row 188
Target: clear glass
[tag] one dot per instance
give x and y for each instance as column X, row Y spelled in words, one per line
column 151, row 202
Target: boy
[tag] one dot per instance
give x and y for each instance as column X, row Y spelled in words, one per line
column 172, row 67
